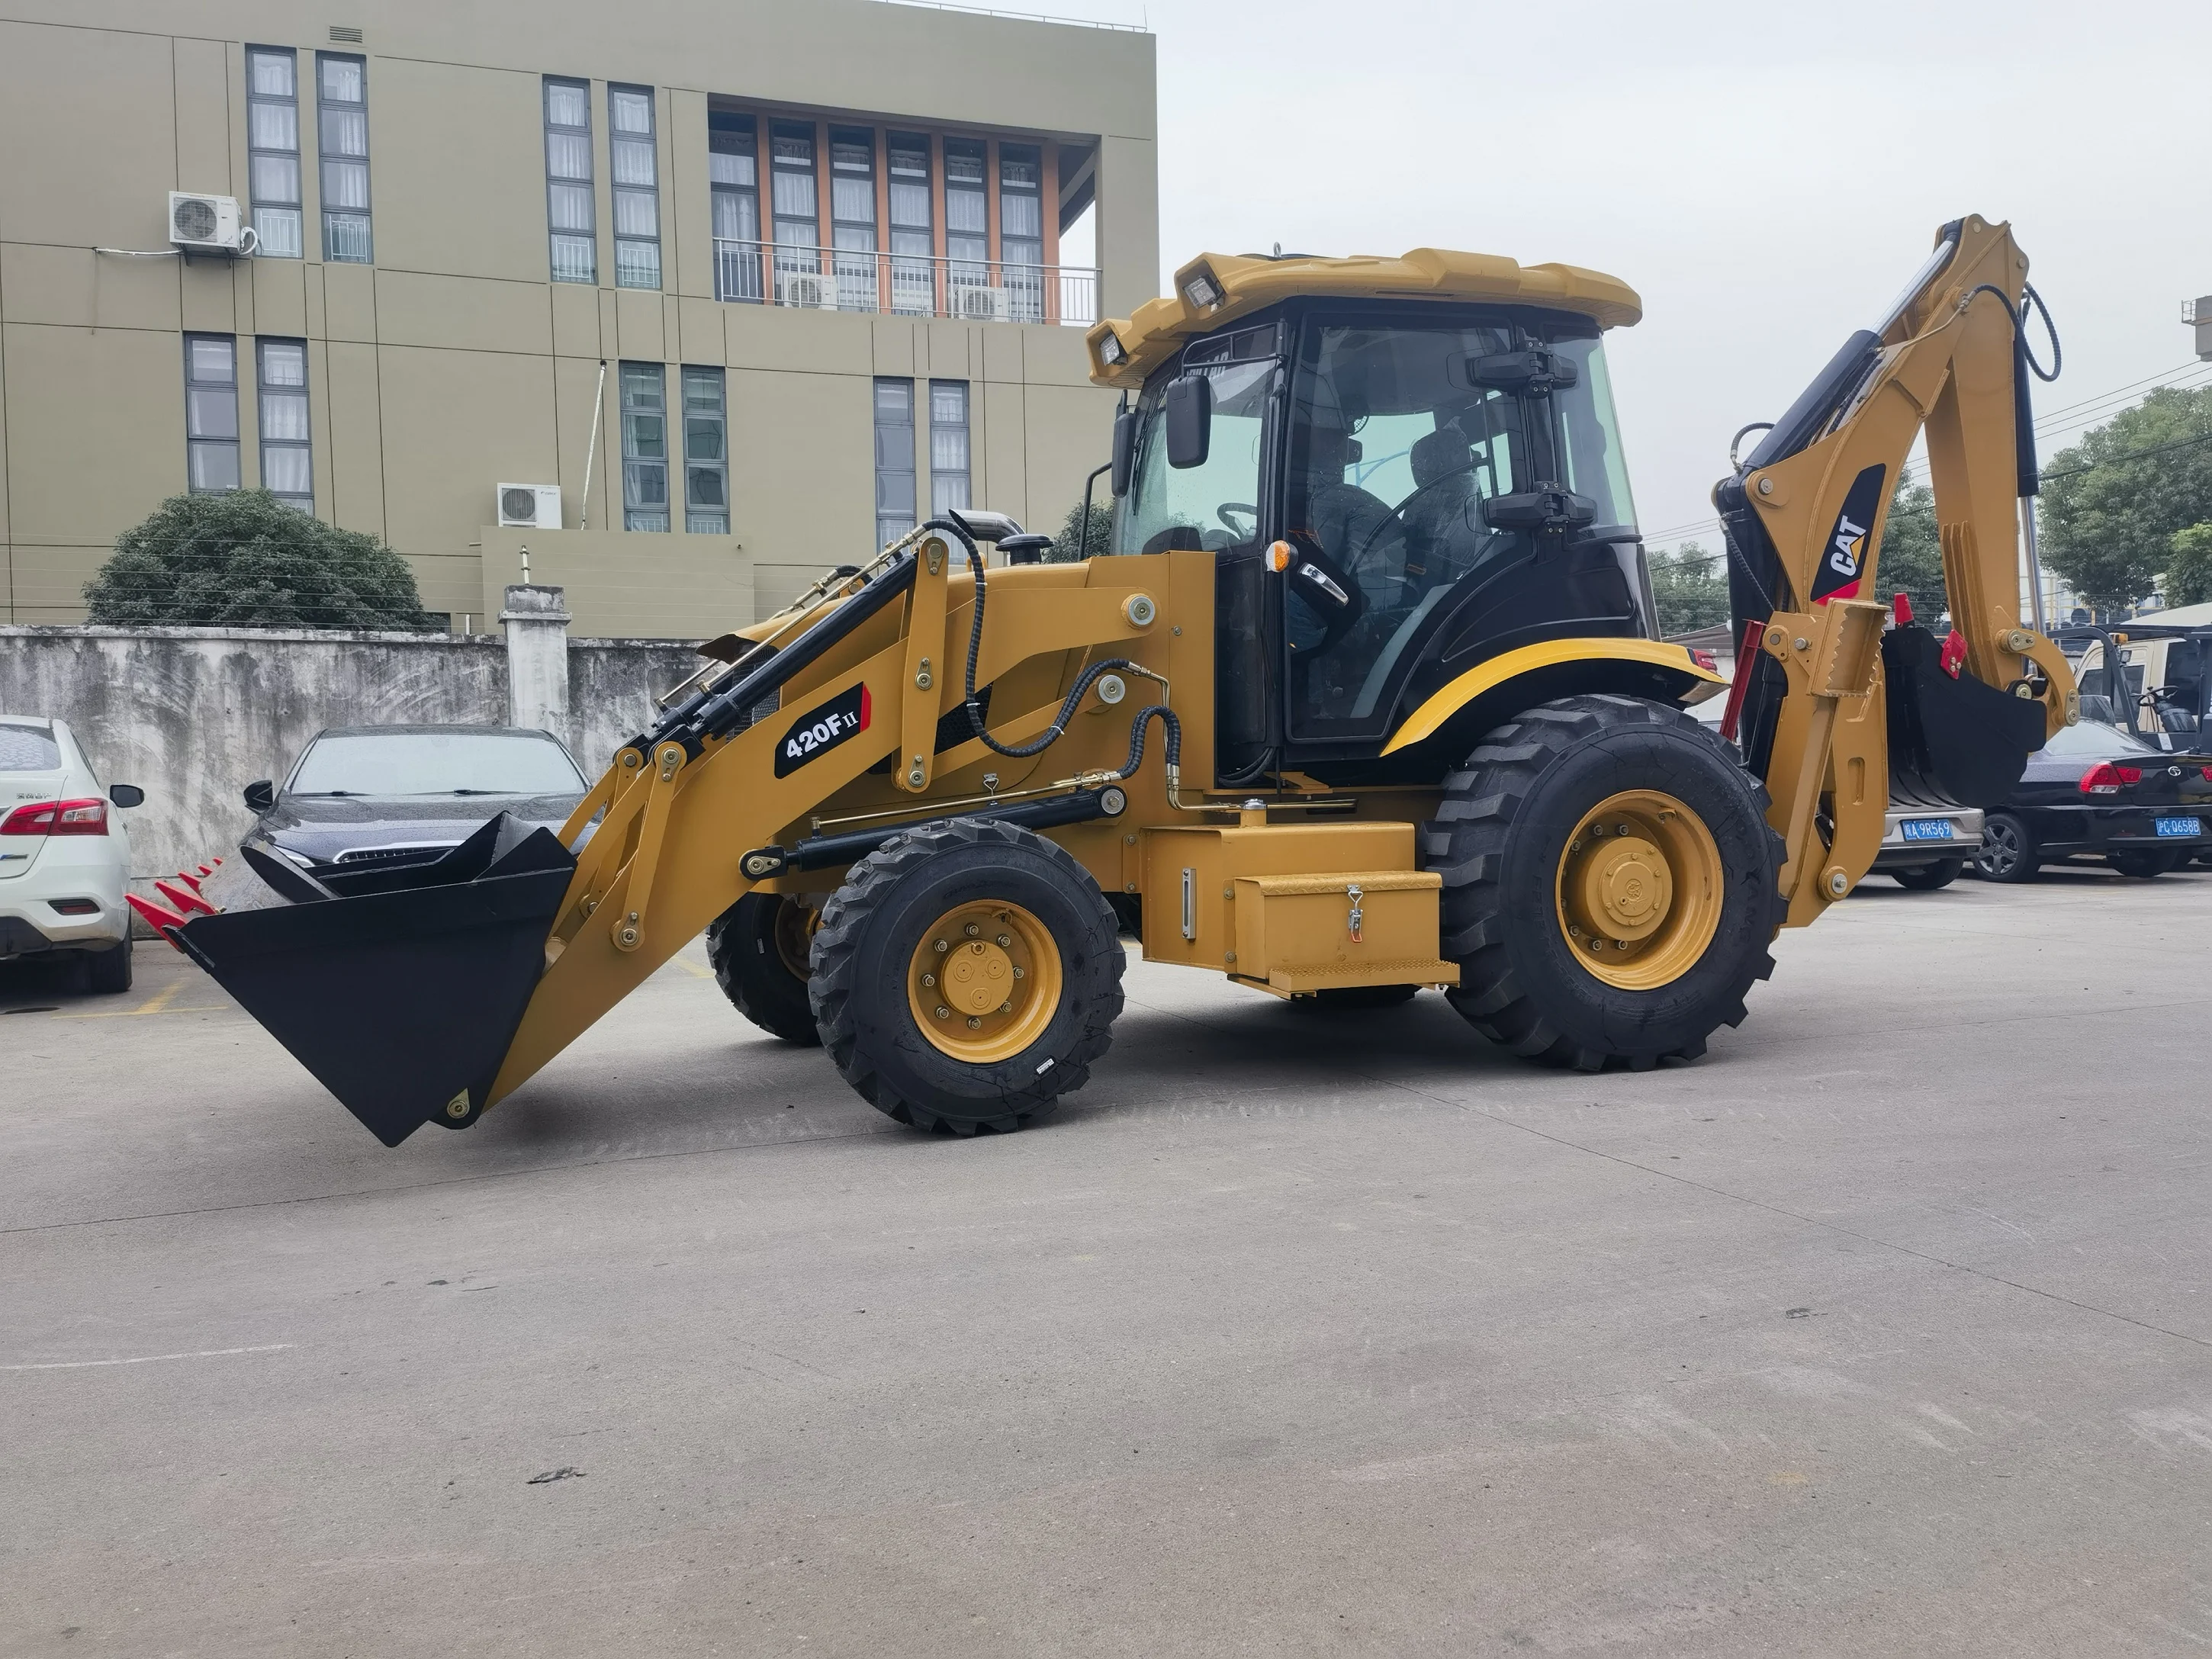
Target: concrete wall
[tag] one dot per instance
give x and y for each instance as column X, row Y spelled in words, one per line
column 192, row 716
column 453, row 362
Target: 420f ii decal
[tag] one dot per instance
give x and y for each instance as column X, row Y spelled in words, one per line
column 1850, row 540
column 819, row 729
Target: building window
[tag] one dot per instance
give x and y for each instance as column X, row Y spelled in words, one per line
column 853, row 216
column 967, row 225
column 343, row 97
column 706, row 453
column 568, row 182
column 637, row 187
column 211, row 412
column 645, row 447
column 272, row 150
column 948, row 446
column 733, row 171
column 1021, row 230
column 894, row 460
column 288, row 462
column 798, row 227
column 914, row 284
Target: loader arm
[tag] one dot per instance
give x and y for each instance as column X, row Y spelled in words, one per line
column 1822, row 699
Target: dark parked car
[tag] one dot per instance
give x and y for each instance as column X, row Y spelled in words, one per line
column 393, row 795
column 2097, row 790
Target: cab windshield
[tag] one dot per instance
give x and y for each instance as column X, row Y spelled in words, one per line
column 1215, row 505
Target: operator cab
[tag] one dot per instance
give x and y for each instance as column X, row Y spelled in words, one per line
column 1439, row 483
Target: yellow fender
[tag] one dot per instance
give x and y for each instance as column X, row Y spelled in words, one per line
column 1696, row 681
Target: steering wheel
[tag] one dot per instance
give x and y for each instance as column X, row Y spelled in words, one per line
column 1240, row 531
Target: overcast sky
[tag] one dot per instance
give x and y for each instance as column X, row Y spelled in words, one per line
column 1765, row 176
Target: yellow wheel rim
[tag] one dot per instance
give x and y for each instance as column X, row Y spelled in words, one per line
column 1639, row 889
column 984, row 981
column 796, row 924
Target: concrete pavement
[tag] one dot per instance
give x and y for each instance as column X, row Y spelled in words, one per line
column 1884, row 1330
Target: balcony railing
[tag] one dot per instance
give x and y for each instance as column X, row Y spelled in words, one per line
column 904, row 284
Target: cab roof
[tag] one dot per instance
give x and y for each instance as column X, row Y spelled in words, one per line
column 1246, row 283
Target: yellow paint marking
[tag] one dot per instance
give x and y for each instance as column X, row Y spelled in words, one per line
column 693, row 968
column 161, row 999
column 159, row 1003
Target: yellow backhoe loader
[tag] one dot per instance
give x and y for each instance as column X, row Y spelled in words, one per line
column 1369, row 696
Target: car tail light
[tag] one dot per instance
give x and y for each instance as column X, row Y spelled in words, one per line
column 2208, row 774
column 77, row 907
column 57, row 818
column 2107, row 779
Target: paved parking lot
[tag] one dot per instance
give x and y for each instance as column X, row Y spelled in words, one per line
column 1886, row 1330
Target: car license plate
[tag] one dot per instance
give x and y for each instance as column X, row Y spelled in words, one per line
column 2181, row 826
column 1940, row 829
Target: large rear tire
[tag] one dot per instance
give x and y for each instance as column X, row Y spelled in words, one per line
column 1609, row 884
column 966, row 975
column 759, row 947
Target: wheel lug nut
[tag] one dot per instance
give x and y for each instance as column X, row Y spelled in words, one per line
column 1005, row 1007
column 971, row 930
column 974, row 1024
column 1004, row 939
column 928, row 979
column 1597, row 829
column 944, row 1012
column 942, row 947
column 1019, row 975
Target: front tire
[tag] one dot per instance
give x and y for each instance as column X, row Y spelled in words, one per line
column 1928, row 877
column 2008, row 852
column 1609, row 884
column 759, row 948
column 966, row 975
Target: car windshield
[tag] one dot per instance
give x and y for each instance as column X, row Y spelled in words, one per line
column 2091, row 741
column 436, row 763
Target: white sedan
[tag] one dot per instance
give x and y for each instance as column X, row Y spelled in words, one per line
column 64, row 855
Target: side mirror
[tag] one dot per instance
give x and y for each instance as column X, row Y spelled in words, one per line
column 260, row 796
column 1190, row 420
column 1547, row 506
column 1535, row 373
column 1124, row 451
column 126, row 795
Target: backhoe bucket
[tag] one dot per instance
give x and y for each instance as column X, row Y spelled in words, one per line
column 1950, row 736
column 398, row 989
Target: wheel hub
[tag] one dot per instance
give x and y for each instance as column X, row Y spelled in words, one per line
column 1639, row 889
column 984, row 980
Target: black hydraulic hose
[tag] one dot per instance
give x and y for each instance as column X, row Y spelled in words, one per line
column 2024, row 364
column 1072, row 701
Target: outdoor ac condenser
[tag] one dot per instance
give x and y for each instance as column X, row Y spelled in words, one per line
column 533, row 507
column 986, row 305
column 211, row 222
column 808, row 290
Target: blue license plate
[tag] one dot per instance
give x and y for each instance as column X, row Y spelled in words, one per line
column 2181, row 826
column 1937, row 828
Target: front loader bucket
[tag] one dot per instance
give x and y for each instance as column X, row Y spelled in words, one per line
column 399, row 990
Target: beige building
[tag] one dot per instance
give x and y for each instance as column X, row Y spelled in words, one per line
column 749, row 282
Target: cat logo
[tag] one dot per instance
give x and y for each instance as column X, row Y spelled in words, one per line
column 1843, row 557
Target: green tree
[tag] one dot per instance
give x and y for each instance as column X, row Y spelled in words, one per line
column 1070, row 544
column 1912, row 554
column 2189, row 568
column 2114, row 502
column 1691, row 586
column 244, row 559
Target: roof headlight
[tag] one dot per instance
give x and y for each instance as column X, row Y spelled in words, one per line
column 1201, row 290
column 1110, row 350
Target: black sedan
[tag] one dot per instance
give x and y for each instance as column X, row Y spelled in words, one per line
column 2094, row 789
column 393, row 795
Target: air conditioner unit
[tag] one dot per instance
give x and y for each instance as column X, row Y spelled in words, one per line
column 533, row 507
column 976, row 304
column 809, row 289
column 205, row 221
